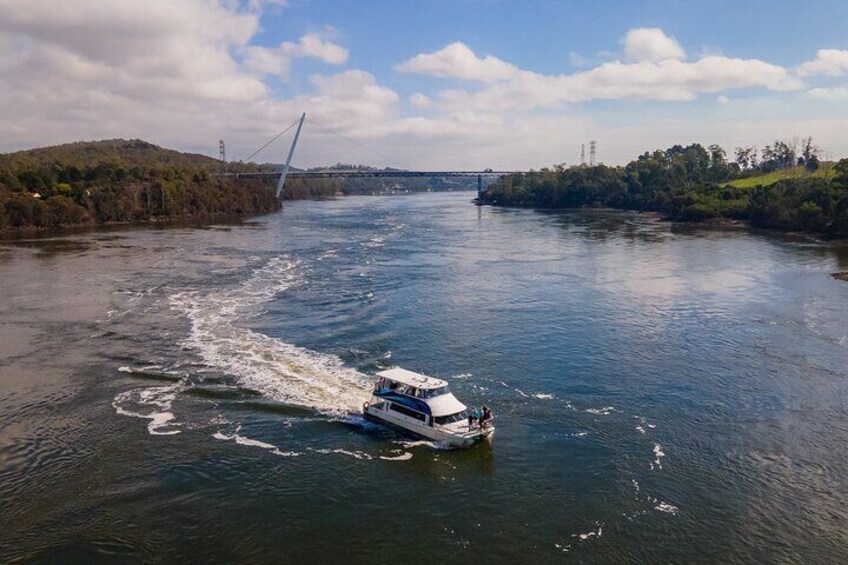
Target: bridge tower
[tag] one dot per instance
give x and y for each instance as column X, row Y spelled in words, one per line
column 288, row 161
column 593, row 148
column 222, row 154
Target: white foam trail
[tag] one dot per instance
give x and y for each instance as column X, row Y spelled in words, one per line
column 543, row 396
column 665, row 507
column 128, row 369
column 601, row 411
column 658, row 455
column 462, row 376
column 354, row 454
column 151, row 369
column 402, row 457
column 522, row 393
column 287, row 373
column 425, row 443
column 241, row 440
column 590, row 534
column 640, row 429
column 154, row 404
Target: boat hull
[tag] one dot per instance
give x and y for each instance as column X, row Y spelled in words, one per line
column 447, row 438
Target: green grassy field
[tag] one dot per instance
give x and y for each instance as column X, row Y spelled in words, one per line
column 825, row 170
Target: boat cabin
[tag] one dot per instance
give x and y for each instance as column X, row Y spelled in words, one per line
column 418, row 396
column 410, row 383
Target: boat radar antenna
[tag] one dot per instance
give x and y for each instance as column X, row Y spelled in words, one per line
column 291, row 153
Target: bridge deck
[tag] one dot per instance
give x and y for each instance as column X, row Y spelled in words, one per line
column 370, row 174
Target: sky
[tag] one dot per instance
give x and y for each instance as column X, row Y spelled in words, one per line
column 429, row 85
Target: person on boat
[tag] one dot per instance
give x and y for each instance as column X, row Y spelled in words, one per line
column 471, row 419
column 476, row 416
column 486, row 418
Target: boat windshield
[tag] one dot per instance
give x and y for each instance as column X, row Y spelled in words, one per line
column 433, row 392
column 458, row 417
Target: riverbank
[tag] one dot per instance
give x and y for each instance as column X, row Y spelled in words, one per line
column 686, row 184
column 200, row 222
column 122, row 182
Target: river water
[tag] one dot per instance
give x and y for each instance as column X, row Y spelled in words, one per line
column 191, row 394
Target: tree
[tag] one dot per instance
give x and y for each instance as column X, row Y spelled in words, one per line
column 719, row 169
column 810, row 155
column 746, row 158
column 841, row 169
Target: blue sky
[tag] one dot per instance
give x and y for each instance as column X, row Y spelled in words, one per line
column 461, row 84
column 540, row 35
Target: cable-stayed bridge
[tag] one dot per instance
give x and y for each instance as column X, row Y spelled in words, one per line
column 352, row 173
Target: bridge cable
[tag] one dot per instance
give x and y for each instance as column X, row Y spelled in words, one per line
column 349, row 140
column 278, row 136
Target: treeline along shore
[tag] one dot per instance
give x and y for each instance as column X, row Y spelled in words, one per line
column 127, row 181
column 779, row 187
column 133, row 181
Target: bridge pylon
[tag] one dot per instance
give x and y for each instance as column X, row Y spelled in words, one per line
column 285, row 173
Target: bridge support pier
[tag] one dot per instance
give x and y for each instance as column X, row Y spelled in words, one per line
column 479, row 188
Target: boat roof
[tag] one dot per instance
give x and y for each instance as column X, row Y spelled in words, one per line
column 412, row 378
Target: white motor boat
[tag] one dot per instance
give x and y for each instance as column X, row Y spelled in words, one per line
column 425, row 406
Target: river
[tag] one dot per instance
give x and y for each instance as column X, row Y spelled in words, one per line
column 661, row 394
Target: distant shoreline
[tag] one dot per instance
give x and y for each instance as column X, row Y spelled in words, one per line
column 11, row 234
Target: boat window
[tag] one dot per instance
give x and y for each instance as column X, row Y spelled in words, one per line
column 409, row 390
column 433, row 392
column 458, row 417
column 408, row 412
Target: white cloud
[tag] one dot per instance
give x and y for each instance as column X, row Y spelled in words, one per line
column 312, row 45
column 259, row 5
column 277, row 61
column 665, row 80
column 577, row 60
column 351, row 100
column 163, row 71
column 657, row 72
column 457, row 60
column 420, row 100
column 651, row 44
column 829, row 62
column 128, row 49
column 723, row 99
column 837, row 93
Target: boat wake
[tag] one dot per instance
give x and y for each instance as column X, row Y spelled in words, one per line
column 292, row 375
column 281, row 371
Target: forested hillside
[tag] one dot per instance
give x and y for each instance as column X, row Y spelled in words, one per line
column 121, row 181
column 692, row 184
